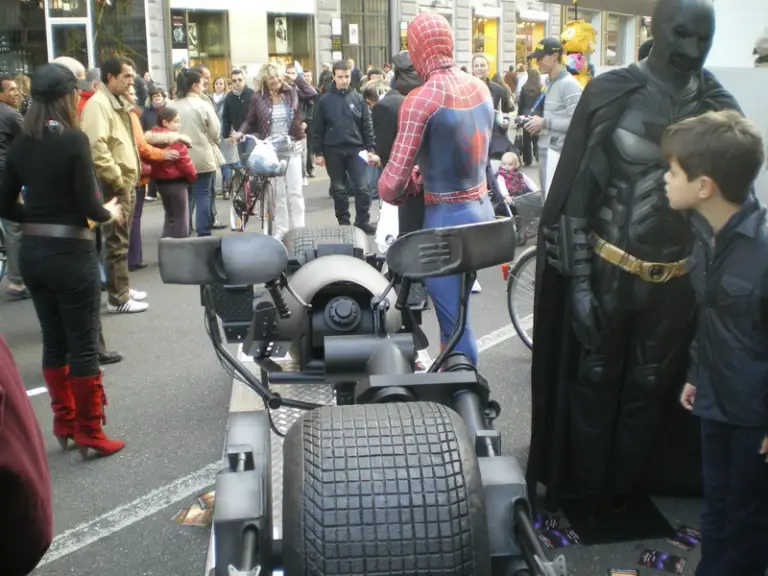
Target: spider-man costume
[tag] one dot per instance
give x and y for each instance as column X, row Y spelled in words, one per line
column 446, row 125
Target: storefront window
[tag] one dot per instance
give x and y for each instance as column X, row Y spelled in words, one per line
column 485, row 40
column 208, row 41
column 70, row 40
column 528, row 35
column 291, row 38
column 68, row 8
column 365, row 32
column 119, row 27
column 23, row 44
column 619, row 41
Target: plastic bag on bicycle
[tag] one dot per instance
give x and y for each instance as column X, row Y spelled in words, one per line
column 263, row 159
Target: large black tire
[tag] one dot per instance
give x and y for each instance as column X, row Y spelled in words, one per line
column 383, row 489
column 301, row 242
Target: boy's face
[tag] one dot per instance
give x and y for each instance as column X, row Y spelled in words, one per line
column 684, row 194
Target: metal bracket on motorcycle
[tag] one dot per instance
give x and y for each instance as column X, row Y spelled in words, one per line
column 554, row 567
column 235, row 572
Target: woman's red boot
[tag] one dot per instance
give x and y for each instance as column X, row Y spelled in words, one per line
column 89, row 416
column 62, row 404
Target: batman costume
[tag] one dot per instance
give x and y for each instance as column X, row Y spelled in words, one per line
column 613, row 307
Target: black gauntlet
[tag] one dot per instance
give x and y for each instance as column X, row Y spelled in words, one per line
column 569, row 249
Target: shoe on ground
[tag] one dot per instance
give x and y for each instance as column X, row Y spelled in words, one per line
column 219, row 226
column 150, row 199
column 310, row 173
column 476, row 288
column 137, row 295
column 110, row 357
column 135, row 267
column 306, row 181
column 130, row 307
column 368, row 228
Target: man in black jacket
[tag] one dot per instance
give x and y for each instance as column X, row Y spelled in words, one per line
column 384, row 115
column 342, row 128
column 236, row 104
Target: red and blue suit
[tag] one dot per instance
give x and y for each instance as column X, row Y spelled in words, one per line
column 444, row 125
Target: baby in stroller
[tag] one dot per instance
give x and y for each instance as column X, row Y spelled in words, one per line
column 509, row 183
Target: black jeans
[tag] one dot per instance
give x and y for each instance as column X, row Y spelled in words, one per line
column 340, row 164
column 734, row 523
column 62, row 276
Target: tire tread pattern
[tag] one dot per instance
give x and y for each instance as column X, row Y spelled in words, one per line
column 387, row 489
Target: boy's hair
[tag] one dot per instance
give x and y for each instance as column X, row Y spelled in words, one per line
column 339, row 65
column 166, row 114
column 723, row 146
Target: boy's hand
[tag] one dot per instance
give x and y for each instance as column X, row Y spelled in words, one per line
column 764, row 449
column 688, row 397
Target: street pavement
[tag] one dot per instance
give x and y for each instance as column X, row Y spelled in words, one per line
column 169, row 400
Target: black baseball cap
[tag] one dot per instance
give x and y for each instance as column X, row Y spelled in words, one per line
column 52, row 81
column 546, row 47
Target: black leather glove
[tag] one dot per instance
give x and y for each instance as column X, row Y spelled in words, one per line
column 569, row 251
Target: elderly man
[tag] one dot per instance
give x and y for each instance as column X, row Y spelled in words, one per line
column 87, row 85
column 106, row 121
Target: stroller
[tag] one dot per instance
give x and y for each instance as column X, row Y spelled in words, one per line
column 525, row 208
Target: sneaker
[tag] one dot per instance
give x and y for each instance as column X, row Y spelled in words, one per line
column 137, row 295
column 130, row 307
column 306, row 181
column 476, row 288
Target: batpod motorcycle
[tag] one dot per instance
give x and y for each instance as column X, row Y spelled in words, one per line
column 399, row 472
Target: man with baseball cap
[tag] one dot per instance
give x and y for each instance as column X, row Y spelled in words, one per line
column 552, row 114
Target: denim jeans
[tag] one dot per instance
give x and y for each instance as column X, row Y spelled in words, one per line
column 445, row 291
column 374, row 173
column 342, row 164
column 200, row 192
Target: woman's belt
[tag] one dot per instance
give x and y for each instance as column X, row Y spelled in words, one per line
column 653, row 272
column 432, row 198
column 58, row 231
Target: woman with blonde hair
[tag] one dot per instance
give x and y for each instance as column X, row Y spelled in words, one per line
column 275, row 110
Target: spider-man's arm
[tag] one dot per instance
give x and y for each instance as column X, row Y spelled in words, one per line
column 414, row 113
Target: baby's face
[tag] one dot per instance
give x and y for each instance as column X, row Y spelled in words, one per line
column 509, row 165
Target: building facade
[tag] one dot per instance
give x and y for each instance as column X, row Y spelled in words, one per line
column 33, row 32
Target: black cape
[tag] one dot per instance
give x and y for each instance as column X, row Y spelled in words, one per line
column 676, row 468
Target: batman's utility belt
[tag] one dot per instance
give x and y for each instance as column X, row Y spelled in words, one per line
column 653, row 272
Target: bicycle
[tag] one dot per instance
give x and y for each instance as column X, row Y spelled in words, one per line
column 245, row 181
column 520, row 295
column 3, row 252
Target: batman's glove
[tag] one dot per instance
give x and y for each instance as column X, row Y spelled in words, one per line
column 570, row 253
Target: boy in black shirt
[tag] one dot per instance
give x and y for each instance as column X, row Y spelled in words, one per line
column 714, row 160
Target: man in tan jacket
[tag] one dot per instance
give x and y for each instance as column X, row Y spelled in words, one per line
column 106, row 121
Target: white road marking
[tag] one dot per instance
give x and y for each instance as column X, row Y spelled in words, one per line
column 37, row 391
column 496, row 337
column 107, row 524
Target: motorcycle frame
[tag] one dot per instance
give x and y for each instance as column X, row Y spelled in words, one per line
column 246, row 545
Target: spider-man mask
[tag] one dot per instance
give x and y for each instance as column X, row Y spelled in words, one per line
column 430, row 43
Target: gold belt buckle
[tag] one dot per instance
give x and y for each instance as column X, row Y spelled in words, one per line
column 660, row 272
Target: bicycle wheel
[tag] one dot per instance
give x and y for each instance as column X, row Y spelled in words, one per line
column 238, row 209
column 267, row 207
column 521, row 285
column 3, row 254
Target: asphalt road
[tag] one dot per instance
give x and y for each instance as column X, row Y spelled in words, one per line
column 169, row 401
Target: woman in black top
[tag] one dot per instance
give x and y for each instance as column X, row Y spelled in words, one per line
column 51, row 160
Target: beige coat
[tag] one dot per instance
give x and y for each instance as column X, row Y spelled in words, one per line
column 106, row 120
column 200, row 123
